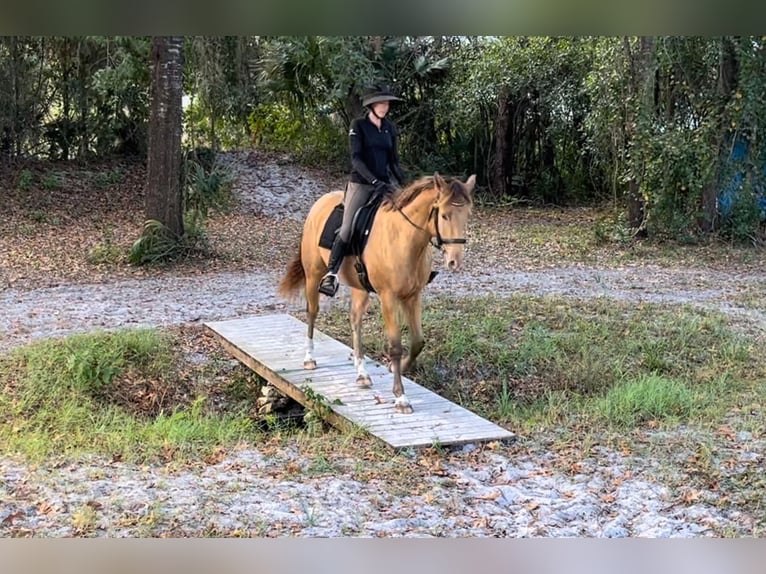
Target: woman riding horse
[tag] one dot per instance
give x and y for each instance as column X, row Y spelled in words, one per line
column 397, row 257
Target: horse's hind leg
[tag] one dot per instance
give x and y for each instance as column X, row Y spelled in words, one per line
column 360, row 301
column 413, row 309
column 312, row 310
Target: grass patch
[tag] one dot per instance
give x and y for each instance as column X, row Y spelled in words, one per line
column 574, row 371
column 108, row 251
column 131, row 395
column 648, row 398
column 543, row 363
column 751, row 296
column 533, row 237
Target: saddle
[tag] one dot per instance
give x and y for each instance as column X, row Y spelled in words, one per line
column 360, row 232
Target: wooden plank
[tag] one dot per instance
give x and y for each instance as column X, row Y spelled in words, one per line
column 446, row 427
column 371, row 418
column 441, row 433
column 273, row 347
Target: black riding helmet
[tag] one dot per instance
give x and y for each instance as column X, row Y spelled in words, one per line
column 378, row 93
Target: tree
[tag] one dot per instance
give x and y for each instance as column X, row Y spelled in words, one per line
column 164, row 197
column 641, row 73
column 728, row 80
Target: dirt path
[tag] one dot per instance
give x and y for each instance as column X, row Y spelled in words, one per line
column 67, row 309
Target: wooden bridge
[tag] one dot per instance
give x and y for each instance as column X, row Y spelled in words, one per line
column 274, row 345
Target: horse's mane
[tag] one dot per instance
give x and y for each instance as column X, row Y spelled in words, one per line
column 406, row 195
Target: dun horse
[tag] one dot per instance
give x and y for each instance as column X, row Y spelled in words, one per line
column 432, row 210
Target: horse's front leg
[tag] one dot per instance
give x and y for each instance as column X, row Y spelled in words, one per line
column 388, row 306
column 413, row 309
column 360, row 301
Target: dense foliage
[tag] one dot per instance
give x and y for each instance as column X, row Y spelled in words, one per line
column 666, row 129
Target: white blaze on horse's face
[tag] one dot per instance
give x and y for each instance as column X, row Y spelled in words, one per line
column 453, row 211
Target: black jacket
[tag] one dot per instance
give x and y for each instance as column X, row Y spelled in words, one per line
column 374, row 152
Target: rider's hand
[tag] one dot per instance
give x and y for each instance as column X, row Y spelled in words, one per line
column 382, row 188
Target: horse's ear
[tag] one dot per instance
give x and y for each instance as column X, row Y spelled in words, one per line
column 470, row 183
column 438, row 180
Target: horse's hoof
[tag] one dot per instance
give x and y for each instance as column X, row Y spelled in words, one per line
column 402, row 405
column 364, row 381
column 310, row 365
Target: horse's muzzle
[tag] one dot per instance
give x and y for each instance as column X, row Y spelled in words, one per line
column 453, row 263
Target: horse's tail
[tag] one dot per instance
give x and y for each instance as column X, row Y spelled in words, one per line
column 294, row 277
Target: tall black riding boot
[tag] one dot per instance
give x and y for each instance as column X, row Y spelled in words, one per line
column 329, row 283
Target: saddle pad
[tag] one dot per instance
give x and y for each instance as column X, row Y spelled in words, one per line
column 331, row 226
column 362, row 224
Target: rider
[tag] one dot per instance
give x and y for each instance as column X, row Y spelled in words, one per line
column 373, row 139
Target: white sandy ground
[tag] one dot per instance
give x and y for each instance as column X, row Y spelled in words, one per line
column 476, row 492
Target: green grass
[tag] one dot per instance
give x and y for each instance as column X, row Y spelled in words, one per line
column 52, row 181
column 648, row 398
column 548, row 362
column 751, row 296
column 107, row 179
column 88, row 394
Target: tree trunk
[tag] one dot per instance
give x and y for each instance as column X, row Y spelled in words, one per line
column 164, row 200
column 82, row 81
column 728, row 79
column 66, row 98
column 641, row 74
column 498, row 179
column 16, row 130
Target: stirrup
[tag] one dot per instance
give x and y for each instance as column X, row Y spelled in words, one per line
column 329, row 285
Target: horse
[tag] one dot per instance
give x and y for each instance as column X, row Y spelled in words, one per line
column 432, row 210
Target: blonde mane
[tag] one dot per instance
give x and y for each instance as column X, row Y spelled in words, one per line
column 406, row 195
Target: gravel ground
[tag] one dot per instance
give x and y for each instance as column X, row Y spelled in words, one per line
column 474, row 494
column 509, row 491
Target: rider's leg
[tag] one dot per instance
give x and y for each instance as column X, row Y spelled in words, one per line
column 356, row 196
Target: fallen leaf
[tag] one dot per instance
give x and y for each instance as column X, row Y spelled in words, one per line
column 691, row 496
column 45, row 508
column 494, row 495
column 13, row 516
column 292, row 468
column 575, row 468
column 216, row 456
column 727, row 431
column 482, row 522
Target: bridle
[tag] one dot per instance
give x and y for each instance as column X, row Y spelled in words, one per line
column 434, row 214
column 439, row 239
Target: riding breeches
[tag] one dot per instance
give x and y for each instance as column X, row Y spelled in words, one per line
column 356, row 195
